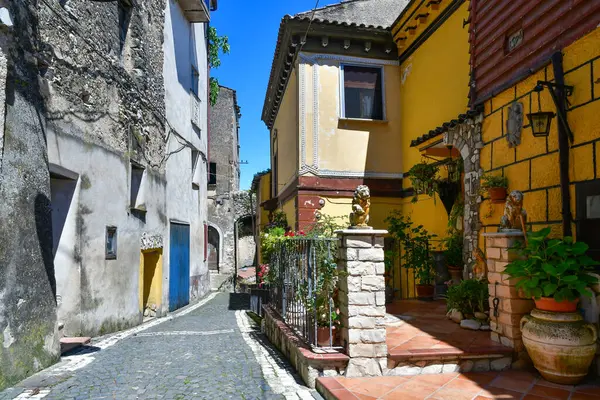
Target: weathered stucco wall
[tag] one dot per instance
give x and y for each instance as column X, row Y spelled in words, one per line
column 186, row 173
column 104, row 95
column 28, row 325
column 286, row 125
column 533, row 166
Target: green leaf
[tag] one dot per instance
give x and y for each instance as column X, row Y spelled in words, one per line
column 533, row 282
column 549, row 289
column 536, row 292
column 579, row 248
column 549, row 269
column 569, row 278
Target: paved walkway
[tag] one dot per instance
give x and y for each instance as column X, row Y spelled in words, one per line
column 507, row 385
column 205, row 352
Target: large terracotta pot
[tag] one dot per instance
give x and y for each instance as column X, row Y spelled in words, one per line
column 549, row 304
column 561, row 345
column 425, row 291
column 497, row 195
column 323, row 336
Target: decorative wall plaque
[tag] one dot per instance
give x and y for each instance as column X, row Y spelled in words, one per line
column 514, row 124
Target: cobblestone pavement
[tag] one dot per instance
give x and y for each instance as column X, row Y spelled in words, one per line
column 211, row 352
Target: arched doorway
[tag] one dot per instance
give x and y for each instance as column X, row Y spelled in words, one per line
column 214, row 246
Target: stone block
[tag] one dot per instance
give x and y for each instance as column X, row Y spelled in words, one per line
column 495, row 337
column 510, row 319
column 362, row 322
column 373, row 283
column 433, row 369
column 482, row 365
column 450, row 368
column 360, row 268
column 380, row 298
column 361, row 299
column 367, row 350
column 372, row 254
column 379, row 268
column 500, row 266
column 378, row 242
column 518, row 306
column 493, row 253
column 507, row 342
column 366, row 336
column 348, row 254
column 349, row 284
column 507, row 292
column 358, row 242
column 496, row 327
column 367, row 311
column 501, row 364
column 359, row 367
column 466, row 366
column 405, row 370
column 508, row 255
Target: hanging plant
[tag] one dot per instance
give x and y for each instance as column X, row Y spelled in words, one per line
column 422, row 177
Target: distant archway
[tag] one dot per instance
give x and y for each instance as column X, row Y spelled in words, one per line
column 215, row 248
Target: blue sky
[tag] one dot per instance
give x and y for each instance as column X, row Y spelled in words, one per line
column 252, row 28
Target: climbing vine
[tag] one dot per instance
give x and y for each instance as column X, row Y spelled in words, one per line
column 217, row 45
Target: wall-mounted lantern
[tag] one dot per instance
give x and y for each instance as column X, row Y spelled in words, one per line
column 540, row 122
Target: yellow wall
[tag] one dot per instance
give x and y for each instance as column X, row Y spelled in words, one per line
column 533, row 166
column 263, row 194
column 286, row 125
column 150, row 281
column 434, row 89
column 352, row 145
column 289, row 208
column 381, row 207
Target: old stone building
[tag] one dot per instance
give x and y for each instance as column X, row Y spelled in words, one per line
column 28, row 323
column 224, row 181
column 103, row 190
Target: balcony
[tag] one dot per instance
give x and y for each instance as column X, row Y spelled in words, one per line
column 197, row 10
column 195, row 110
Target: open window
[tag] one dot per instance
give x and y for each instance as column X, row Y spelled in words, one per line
column 137, row 187
column 362, row 92
column 212, row 173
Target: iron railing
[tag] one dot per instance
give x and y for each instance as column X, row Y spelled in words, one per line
column 303, row 281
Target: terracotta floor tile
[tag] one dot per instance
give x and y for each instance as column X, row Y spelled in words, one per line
column 500, row 394
column 584, row 396
column 550, row 392
column 418, row 388
column 419, row 343
column 534, row 397
column 514, row 384
column 450, row 394
column 434, row 379
column 391, row 381
column 331, row 383
column 544, row 382
column 404, row 394
column 371, row 389
column 588, row 389
column 351, row 383
column 482, row 378
column 364, row 397
column 465, row 385
column 343, row 394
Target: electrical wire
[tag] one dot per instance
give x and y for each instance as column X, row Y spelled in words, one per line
column 309, row 24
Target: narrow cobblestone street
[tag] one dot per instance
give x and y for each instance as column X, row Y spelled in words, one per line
column 208, row 352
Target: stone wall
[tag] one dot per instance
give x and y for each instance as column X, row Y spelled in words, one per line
column 310, row 365
column 28, row 324
column 224, row 151
column 362, row 301
column 466, row 138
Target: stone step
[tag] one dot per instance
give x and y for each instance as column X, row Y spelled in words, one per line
column 220, row 282
column 436, row 361
column 69, row 343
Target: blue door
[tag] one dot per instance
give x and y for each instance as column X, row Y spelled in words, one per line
column 179, row 266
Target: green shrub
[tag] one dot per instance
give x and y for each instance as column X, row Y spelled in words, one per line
column 468, row 297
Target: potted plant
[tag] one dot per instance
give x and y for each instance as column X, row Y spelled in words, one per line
column 454, row 256
column 422, row 176
column 415, row 253
column 555, row 273
column 496, row 187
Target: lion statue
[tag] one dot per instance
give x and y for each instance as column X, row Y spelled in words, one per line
column 515, row 217
column 361, row 203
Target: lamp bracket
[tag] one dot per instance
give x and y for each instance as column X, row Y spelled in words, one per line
column 551, row 85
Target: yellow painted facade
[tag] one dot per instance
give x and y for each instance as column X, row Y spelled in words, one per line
column 533, row 166
column 150, row 280
column 381, row 208
column 284, row 136
column 289, row 208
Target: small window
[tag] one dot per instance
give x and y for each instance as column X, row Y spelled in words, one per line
column 195, row 81
column 111, row 243
column 363, row 93
column 125, row 7
column 195, row 175
column 137, row 173
column 212, row 173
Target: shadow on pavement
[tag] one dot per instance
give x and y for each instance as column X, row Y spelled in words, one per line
column 239, row 301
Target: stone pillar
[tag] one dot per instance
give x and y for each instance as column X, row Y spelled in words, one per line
column 362, row 300
column 511, row 307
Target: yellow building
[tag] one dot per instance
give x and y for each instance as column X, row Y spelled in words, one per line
column 331, row 107
column 556, row 170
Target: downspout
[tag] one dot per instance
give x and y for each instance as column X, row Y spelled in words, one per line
column 563, row 144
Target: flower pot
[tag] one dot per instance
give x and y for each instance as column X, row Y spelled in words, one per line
column 549, row 304
column 323, row 336
column 497, row 195
column 455, row 274
column 562, row 346
column 425, row 292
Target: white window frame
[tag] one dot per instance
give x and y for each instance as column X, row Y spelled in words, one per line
column 342, row 94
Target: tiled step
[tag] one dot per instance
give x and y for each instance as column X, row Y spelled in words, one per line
column 69, row 343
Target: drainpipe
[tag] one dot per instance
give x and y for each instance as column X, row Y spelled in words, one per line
column 563, row 144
